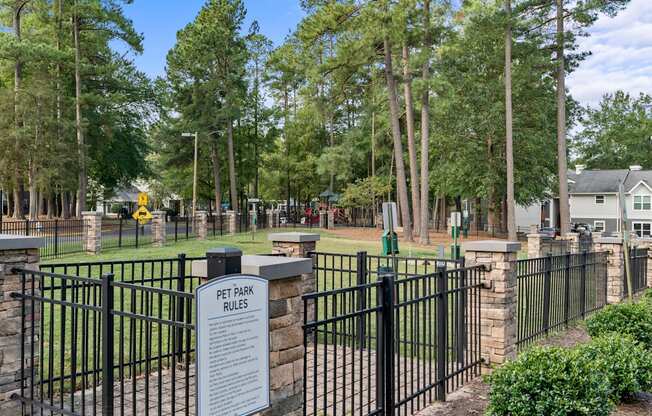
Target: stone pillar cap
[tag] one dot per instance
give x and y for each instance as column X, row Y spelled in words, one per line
column 91, row 213
column 535, row 235
column 18, row 242
column 268, row 267
column 609, row 240
column 493, row 246
column 293, row 237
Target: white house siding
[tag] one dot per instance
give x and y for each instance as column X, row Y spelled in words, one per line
column 638, row 216
column 527, row 216
column 583, row 209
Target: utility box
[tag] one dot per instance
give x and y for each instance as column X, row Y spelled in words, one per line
column 222, row 261
column 390, row 243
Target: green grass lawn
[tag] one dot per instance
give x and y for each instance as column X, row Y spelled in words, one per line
column 256, row 244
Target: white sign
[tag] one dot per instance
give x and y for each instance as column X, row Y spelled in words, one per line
column 456, row 219
column 232, row 346
column 389, row 208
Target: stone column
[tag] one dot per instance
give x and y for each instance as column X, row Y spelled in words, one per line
column 201, row 222
column 93, row 234
column 159, row 230
column 534, row 248
column 498, row 298
column 331, row 219
column 15, row 252
column 615, row 267
column 573, row 241
column 323, row 219
column 270, row 218
column 231, row 222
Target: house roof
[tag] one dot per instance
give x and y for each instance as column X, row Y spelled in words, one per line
column 637, row 176
column 598, row 181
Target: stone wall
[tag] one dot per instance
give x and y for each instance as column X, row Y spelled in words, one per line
column 93, row 234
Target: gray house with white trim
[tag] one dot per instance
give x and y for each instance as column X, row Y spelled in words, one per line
column 593, row 198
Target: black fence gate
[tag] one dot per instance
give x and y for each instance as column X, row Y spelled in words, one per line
column 389, row 343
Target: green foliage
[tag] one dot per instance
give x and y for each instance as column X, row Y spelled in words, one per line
column 364, row 192
column 626, row 364
column 632, row 319
column 617, row 133
column 550, row 382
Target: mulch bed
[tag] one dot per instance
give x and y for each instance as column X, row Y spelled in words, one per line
column 472, row 399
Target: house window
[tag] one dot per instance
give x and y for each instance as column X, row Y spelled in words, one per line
column 642, row 229
column 642, row 202
column 599, row 199
column 598, row 226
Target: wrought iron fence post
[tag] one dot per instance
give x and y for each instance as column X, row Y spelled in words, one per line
column 566, row 288
column 27, row 227
column 107, row 345
column 583, row 283
column 188, row 225
column 461, row 317
column 120, row 233
column 181, row 283
column 385, row 344
column 361, row 279
column 136, row 233
column 547, row 277
column 442, row 333
column 56, row 236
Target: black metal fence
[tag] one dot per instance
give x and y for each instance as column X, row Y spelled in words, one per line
column 122, row 343
column 556, row 290
column 356, row 217
column 638, row 258
column 179, row 228
column 336, row 270
column 553, row 247
column 125, row 233
column 377, row 343
column 60, row 236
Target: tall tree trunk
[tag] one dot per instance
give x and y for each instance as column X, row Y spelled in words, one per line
column 509, row 138
column 215, row 161
column 82, row 185
column 65, row 205
column 412, row 151
column 564, row 208
column 232, row 176
column 18, row 75
column 396, row 137
column 425, row 127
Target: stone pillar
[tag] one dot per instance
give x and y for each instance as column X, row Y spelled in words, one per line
column 498, row 298
column 15, row 252
column 298, row 245
column 323, row 219
column 573, row 240
column 534, row 245
column 231, row 222
column 270, row 218
column 159, row 230
column 93, row 234
column 615, row 267
column 201, row 222
column 331, row 219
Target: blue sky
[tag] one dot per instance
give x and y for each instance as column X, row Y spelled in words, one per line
column 622, row 46
column 159, row 21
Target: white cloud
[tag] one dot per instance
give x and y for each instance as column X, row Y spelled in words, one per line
column 621, row 55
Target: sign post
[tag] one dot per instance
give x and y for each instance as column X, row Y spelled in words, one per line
column 624, row 228
column 232, row 346
column 254, row 217
column 456, row 222
column 389, row 237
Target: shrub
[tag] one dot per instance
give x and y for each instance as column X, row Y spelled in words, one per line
column 633, row 319
column 551, row 382
column 626, row 364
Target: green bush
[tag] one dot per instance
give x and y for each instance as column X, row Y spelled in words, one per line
column 550, row 382
column 633, row 319
column 626, row 364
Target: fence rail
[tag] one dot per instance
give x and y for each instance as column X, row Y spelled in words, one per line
column 60, row 236
column 556, row 290
column 124, row 233
column 638, row 262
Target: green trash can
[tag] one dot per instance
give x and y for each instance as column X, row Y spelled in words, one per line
column 390, row 243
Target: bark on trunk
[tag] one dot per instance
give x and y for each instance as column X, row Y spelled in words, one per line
column 65, row 205
column 215, row 161
column 398, row 146
column 425, row 129
column 509, row 139
column 18, row 69
column 564, row 214
column 81, row 195
column 232, row 177
column 412, row 151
